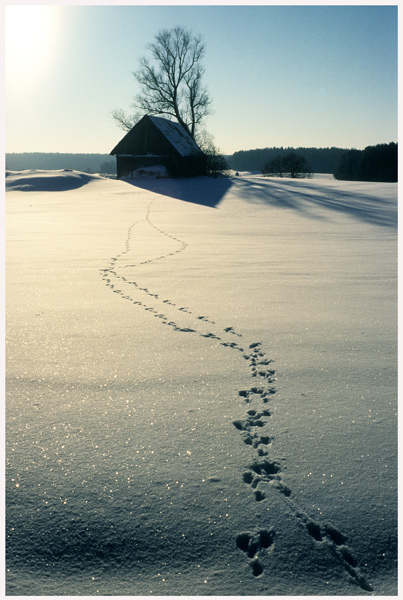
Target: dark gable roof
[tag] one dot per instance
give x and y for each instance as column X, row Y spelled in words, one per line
column 177, row 136
column 173, row 132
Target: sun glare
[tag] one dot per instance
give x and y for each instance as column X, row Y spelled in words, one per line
column 31, row 33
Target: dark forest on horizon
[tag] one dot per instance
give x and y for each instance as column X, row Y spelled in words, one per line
column 374, row 163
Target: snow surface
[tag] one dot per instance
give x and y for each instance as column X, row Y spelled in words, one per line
column 201, row 386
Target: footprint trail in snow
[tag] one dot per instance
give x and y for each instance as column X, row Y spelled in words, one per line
column 262, row 474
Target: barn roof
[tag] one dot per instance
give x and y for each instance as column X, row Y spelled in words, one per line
column 173, row 132
column 176, row 135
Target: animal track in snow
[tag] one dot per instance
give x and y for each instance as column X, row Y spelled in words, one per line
column 261, row 471
column 265, row 472
column 113, row 278
column 254, row 545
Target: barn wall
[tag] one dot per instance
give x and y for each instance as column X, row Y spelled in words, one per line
column 189, row 166
column 125, row 165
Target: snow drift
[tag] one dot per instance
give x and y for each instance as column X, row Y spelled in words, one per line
column 47, row 181
column 201, row 383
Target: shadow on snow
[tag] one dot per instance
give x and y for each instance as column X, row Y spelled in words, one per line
column 304, row 196
column 207, row 191
column 307, row 196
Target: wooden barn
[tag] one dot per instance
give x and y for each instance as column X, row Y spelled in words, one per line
column 157, row 141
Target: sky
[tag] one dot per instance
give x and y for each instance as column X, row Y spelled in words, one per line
column 291, row 76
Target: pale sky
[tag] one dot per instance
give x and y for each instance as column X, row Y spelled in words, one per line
column 314, row 76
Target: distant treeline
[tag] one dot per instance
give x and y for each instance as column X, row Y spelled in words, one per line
column 320, row 160
column 49, row 161
column 375, row 163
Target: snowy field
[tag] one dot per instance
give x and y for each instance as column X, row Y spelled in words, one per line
column 201, row 386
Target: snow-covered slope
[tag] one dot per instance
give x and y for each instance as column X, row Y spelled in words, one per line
column 201, row 382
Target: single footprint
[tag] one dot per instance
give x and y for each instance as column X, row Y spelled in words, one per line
column 210, row 335
column 253, row 544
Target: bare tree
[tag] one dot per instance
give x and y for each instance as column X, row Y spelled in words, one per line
column 296, row 166
column 171, row 81
column 287, row 165
column 274, row 167
column 125, row 120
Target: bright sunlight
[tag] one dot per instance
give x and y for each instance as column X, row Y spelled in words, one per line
column 30, row 35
